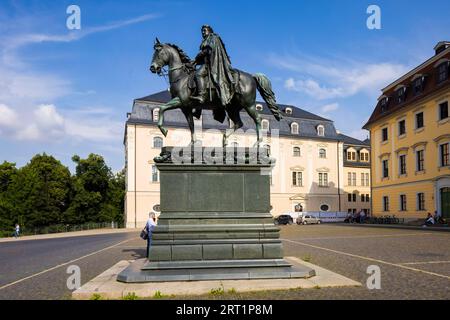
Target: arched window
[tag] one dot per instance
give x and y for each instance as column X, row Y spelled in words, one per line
column 259, row 107
column 322, row 153
column 296, row 151
column 268, row 149
column 288, row 111
column 155, row 114
column 265, row 124
column 157, row 142
column 320, row 130
column 294, row 128
column 324, row 207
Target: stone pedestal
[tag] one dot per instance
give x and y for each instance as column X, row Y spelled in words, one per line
column 215, row 224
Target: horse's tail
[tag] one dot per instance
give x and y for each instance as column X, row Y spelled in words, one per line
column 265, row 89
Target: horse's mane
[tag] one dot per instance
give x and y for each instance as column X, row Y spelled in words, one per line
column 183, row 56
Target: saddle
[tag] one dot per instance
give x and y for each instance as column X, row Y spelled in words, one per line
column 235, row 86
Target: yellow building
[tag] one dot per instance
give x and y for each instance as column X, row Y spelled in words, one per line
column 410, row 137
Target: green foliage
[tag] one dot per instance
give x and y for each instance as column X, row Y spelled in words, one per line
column 96, row 296
column 130, row 296
column 218, row 291
column 44, row 193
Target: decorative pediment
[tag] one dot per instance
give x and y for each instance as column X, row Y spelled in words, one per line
column 323, row 169
column 419, row 144
column 404, row 149
column 299, row 196
column 322, row 145
column 297, row 168
column 442, row 138
column 385, row 155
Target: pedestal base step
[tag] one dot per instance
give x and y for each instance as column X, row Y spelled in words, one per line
column 135, row 274
column 211, row 264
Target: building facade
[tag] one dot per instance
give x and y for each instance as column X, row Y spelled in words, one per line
column 410, row 136
column 356, row 183
column 309, row 152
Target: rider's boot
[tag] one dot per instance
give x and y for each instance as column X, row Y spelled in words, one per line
column 201, row 87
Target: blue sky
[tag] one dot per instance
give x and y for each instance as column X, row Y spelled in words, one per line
column 67, row 92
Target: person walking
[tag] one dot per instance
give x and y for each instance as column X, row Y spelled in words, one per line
column 150, row 226
column 17, row 231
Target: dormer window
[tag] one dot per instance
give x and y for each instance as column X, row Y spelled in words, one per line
column 384, row 104
column 418, row 84
column 288, row 111
column 294, row 128
column 265, row 125
column 401, row 94
column 442, row 71
column 320, row 130
column 259, row 107
column 155, row 114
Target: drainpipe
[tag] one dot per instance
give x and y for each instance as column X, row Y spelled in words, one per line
column 135, row 186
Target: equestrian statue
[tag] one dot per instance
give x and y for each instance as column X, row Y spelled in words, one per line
column 214, row 85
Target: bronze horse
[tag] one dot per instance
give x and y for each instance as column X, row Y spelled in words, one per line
column 244, row 97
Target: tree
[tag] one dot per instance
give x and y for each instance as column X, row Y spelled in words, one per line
column 7, row 172
column 39, row 192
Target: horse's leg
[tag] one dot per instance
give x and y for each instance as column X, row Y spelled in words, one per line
column 190, row 120
column 172, row 104
column 251, row 110
column 237, row 123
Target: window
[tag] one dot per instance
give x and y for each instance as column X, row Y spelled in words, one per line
column 265, row 124
column 401, row 127
column 402, row 164
column 155, row 174
column 384, row 104
column 367, row 198
column 235, row 145
column 267, row 147
column 385, row 168
column 419, row 120
column 384, row 134
column 443, row 110
column 322, row 153
column 297, row 179
column 420, row 160
column 354, row 197
column 288, row 111
column 155, row 114
column 157, row 208
column 354, row 178
column 421, row 201
column 442, row 71
column 385, row 203
column 367, row 180
column 157, row 142
column 364, row 156
column 418, row 85
column 324, row 207
column 363, row 198
column 294, row 128
column 320, row 130
column 323, row 179
column 296, row 151
column 351, row 155
column 401, row 94
column 349, row 197
column 402, row 202
column 259, row 107
column 362, row 180
column 349, row 176
column 444, row 154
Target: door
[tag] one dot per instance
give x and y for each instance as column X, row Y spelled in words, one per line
column 445, row 203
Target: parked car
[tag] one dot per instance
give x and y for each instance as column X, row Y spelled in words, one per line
column 307, row 219
column 283, row 219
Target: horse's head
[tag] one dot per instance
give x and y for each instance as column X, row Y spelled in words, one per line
column 161, row 57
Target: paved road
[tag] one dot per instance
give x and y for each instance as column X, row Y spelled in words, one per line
column 415, row 264
column 36, row 269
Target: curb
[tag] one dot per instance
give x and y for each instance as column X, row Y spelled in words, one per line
column 387, row 226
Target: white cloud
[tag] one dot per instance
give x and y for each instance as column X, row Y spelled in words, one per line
column 330, row 107
column 339, row 78
column 8, row 117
